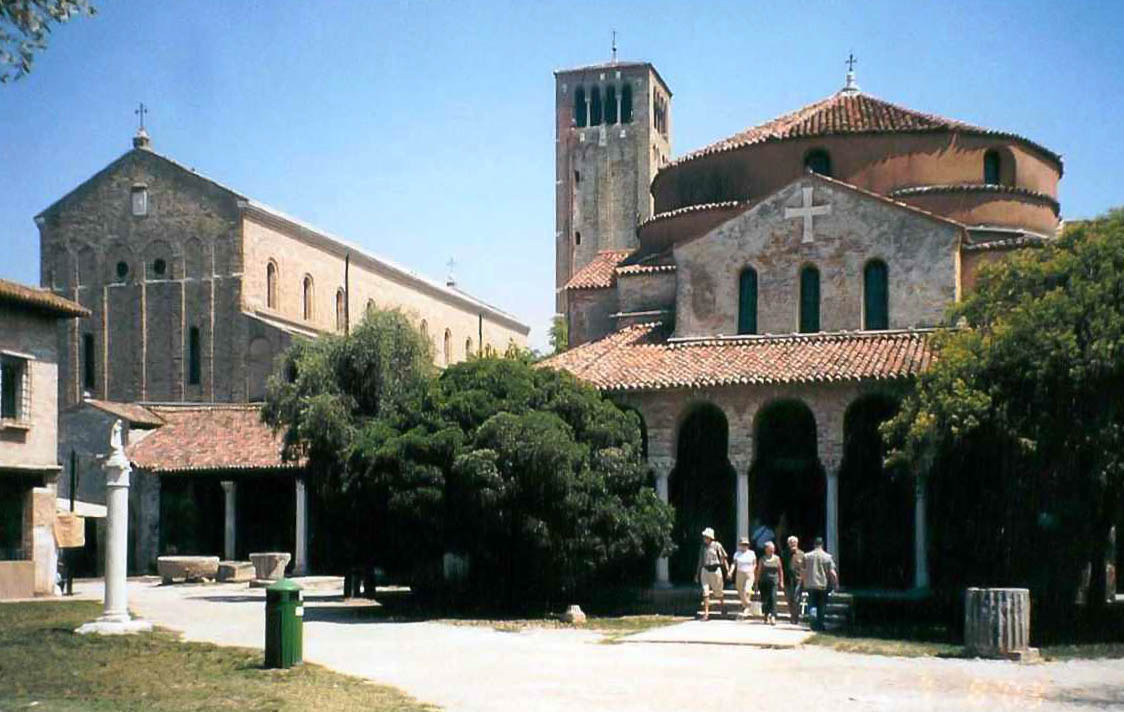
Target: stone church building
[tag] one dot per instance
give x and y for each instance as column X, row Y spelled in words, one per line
column 193, row 289
column 761, row 301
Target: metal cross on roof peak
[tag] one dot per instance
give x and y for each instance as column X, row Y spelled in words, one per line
column 851, row 62
column 140, row 111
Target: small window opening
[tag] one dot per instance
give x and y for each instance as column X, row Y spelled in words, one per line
column 159, row 267
column 991, row 166
column 577, row 238
column 13, row 388
column 140, row 200
column 89, row 376
column 122, row 271
column 626, row 104
column 610, row 105
column 818, row 161
column 193, row 363
column 579, row 107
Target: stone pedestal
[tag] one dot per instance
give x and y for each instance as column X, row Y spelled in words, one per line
column 997, row 623
column 235, row 571
column 187, row 568
column 269, row 566
column 115, row 618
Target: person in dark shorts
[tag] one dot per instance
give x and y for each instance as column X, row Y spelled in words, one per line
column 770, row 575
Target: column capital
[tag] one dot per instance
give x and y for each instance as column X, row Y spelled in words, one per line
column 661, row 466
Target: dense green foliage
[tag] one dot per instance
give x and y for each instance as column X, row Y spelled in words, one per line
column 559, row 334
column 533, row 476
column 1019, row 425
column 25, row 26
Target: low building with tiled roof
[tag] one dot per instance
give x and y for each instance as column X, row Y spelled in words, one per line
column 781, row 289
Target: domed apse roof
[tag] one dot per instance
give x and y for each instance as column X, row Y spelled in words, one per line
column 850, row 112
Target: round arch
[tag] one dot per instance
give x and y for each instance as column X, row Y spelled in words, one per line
column 701, row 487
column 875, row 506
column 787, row 487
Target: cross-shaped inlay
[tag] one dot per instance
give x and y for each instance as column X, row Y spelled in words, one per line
column 807, row 211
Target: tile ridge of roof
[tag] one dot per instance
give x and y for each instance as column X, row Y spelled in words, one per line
column 806, row 337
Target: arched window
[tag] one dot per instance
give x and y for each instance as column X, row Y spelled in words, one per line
column 876, row 296
column 595, row 106
column 306, row 298
column 468, row 347
column 747, row 301
column 991, row 167
column 341, row 309
column 425, row 329
column 448, row 350
column 809, row 300
column 818, row 161
column 626, row 104
column 193, row 354
column 579, row 107
column 577, row 237
column 89, row 359
column 610, row 105
column 370, row 306
column 271, row 284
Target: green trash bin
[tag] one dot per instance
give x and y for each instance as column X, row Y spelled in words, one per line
column 284, row 619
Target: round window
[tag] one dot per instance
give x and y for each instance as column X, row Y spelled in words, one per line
column 122, row 270
column 159, row 267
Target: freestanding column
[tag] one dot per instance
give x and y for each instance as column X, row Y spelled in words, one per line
column 300, row 555
column 662, row 471
column 741, row 497
column 228, row 531
column 833, row 513
column 115, row 616
column 920, row 536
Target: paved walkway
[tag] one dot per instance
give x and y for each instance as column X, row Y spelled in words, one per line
column 724, row 632
column 477, row 668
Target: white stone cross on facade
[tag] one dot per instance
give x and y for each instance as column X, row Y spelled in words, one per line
column 807, row 211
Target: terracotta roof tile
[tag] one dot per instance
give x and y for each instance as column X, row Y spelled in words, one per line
column 209, row 437
column 849, row 113
column 131, row 413
column 598, row 274
column 40, row 299
column 642, row 357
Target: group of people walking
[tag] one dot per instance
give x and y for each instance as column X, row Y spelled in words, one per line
column 794, row 573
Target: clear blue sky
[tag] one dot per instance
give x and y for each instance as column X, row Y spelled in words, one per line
column 424, row 130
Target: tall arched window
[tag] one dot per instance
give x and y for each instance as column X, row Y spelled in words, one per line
column 425, row 329
column 991, row 167
column 468, row 347
column 876, row 296
column 595, row 106
column 271, row 284
column 747, row 301
column 341, row 309
column 579, row 107
column 818, row 161
column 194, row 368
column 626, row 104
column 809, row 300
column 306, row 297
column 610, row 105
column 448, row 350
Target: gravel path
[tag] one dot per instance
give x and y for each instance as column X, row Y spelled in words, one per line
column 477, row 668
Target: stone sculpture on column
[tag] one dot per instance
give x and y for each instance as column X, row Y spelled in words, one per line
column 115, row 618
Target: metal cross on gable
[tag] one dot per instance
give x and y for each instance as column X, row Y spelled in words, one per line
column 807, row 212
column 140, row 111
column 851, row 62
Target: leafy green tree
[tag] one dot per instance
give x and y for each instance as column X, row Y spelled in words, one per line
column 533, row 475
column 1019, row 424
column 25, row 26
column 559, row 334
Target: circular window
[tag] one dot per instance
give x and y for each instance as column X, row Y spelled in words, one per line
column 159, row 267
column 122, row 270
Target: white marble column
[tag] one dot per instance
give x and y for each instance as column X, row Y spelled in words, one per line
column 300, row 555
column 115, row 617
column 662, row 467
column 832, row 510
column 920, row 536
column 228, row 532
column 741, row 495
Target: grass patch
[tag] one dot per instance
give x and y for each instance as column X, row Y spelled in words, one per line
column 884, row 646
column 46, row 666
column 1084, row 651
column 612, row 626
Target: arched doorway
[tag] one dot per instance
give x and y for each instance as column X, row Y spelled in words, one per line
column 875, row 506
column 786, row 482
column 701, row 488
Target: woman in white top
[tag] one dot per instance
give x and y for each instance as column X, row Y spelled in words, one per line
column 745, row 563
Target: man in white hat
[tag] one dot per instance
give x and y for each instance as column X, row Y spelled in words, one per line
column 712, row 568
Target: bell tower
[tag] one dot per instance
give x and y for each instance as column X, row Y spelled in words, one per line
column 612, row 133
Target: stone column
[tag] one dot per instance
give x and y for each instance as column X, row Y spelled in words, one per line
column 115, row 617
column 662, row 467
column 741, row 494
column 829, row 437
column 300, row 553
column 229, row 529
column 920, row 535
column 997, row 623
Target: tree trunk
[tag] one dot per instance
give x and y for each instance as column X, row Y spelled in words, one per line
column 1099, row 548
